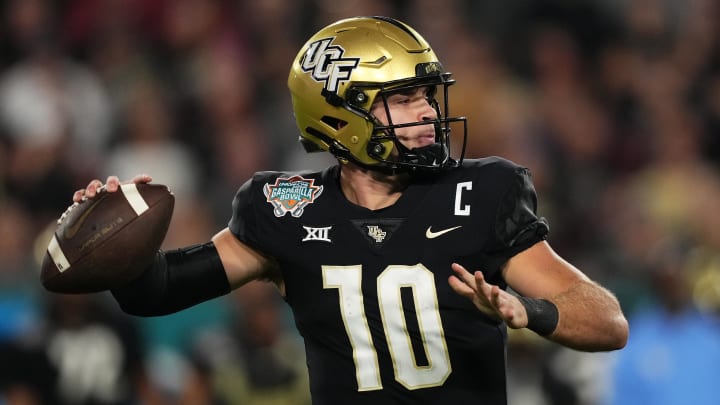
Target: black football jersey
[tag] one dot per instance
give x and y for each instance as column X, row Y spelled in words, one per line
column 369, row 289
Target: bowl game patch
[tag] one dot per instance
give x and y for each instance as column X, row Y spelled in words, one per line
column 291, row 195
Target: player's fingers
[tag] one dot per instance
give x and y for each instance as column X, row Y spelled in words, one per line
column 500, row 303
column 481, row 285
column 461, row 288
column 142, row 178
column 112, row 183
column 79, row 195
column 495, row 296
column 92, row 188
column 479, row 277
column 507, row 306
column 480, row 302
column 462, row 274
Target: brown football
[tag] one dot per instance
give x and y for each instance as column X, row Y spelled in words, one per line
column 106, row 241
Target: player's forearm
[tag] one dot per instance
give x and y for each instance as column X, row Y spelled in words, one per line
column 590, row 319
column 177, row 280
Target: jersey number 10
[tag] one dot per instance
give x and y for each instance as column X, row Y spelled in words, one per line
column 347, row 279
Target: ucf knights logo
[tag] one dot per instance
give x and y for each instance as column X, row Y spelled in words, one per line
column 376, row 233
column 326, row 64
column 291, row 195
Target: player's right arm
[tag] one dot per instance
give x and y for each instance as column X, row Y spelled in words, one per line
column 184, row 277
column 241, row 262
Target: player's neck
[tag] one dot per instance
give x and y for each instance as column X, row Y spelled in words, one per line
column 369, row 188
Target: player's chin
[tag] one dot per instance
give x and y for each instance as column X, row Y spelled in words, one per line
column 418, row 141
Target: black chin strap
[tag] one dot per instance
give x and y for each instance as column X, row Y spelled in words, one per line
column 430, row 155
column 427, row 156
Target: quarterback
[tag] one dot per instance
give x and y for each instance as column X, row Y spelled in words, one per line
column 405, row 263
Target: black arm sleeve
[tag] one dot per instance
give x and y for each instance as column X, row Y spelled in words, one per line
column 177, row 279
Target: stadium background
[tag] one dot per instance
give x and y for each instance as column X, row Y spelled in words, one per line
column 614, row 105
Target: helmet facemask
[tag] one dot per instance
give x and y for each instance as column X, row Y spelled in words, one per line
column 435, row 156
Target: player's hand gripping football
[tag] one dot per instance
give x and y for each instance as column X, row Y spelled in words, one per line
column 111, row 185
column 107, row 238
column 488, row 298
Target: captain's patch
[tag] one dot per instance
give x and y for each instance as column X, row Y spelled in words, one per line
column 291, row 195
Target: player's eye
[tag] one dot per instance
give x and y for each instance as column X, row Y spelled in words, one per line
column 399, row 99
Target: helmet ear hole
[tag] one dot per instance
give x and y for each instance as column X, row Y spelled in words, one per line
column 333, row 122
column 310, row 146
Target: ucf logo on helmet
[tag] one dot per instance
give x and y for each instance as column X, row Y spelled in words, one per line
column 326, row 63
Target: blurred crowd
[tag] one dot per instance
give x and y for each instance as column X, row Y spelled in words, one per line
column 614, row 105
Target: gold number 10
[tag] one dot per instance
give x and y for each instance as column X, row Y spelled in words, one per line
column 347, row 279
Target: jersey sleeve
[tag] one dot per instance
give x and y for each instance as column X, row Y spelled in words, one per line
column 242, row 223
column 517, row 226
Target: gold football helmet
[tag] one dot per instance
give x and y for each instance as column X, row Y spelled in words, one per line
column 349, row 65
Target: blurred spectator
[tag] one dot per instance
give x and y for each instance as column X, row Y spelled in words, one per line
column 26, row 375
column 570, row 377
column 50, row 107
column 96, row 351
column 239, row 144
column 21, row 309
column 614, row 106
column 259, row 359
column 673, row 354
column 265, row 66
column 47, row 95
column 146, row 141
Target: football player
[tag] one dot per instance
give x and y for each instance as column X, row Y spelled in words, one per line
column 404, row 263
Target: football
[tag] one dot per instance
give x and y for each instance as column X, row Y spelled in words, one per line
column 105, row 241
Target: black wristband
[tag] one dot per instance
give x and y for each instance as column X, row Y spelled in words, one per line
column 176, row 280
column 542, row 315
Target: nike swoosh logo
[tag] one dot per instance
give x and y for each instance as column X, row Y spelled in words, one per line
column 73, row 229
column 432, row 235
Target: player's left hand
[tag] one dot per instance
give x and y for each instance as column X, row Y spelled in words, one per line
column 488, row 298
column 111, row 185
